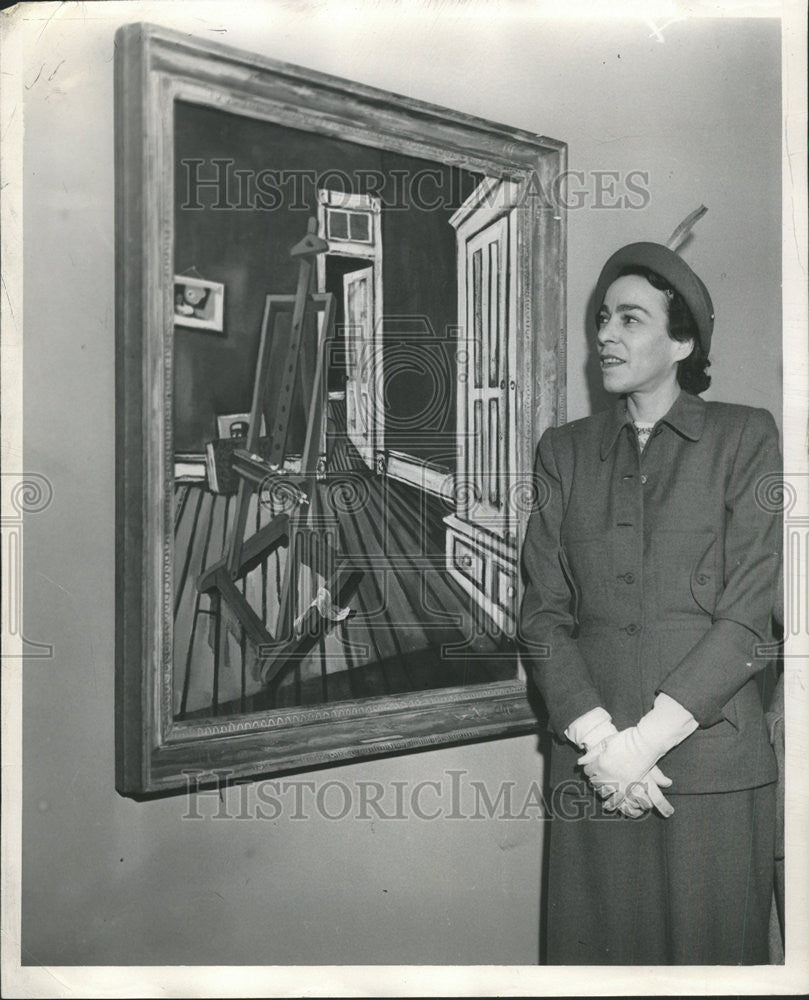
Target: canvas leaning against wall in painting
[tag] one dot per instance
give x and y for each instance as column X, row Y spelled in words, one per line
column 330, row 380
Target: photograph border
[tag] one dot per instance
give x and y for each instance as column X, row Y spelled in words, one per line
column 370, row 980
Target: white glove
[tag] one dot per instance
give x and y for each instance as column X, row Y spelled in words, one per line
column 591, row 728
column 617, row 767
column 646, row 795
column 634, row 797
column 594, row 729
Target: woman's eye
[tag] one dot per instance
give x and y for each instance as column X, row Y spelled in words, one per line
column 601, row 319
column 628, row 320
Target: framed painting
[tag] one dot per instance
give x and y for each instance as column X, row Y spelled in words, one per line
column 198, row 303
column 408, row 261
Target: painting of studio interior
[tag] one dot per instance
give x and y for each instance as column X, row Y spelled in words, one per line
column 343, row 430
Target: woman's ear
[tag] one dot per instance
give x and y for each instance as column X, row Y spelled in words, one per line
column 684, row 349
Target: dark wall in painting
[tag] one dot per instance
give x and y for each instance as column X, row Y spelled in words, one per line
column 420, row 275
column 244, row 191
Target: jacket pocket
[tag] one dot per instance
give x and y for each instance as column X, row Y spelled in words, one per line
column 728, row 725
column 683, row 567
column 704, row 577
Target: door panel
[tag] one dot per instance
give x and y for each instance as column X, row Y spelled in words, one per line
column 358, row 291
column 485, row 455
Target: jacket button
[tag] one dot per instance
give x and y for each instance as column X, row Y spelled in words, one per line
column 702, row 578
column 643, row 479
column 629, row 577
column 633, row 629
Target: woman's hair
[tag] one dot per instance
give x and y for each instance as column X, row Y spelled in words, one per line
column 691, row 371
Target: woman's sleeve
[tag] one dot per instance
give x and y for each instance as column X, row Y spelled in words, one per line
column 546, row 620
column 725, row 657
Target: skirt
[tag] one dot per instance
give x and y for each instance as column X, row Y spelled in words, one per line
column 693, row 889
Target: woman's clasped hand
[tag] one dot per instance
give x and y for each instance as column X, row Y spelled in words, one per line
column 622, row 768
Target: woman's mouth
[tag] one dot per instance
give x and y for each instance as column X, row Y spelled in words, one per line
column 608, row 361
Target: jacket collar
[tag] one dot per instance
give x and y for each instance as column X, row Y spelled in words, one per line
column 686, row 416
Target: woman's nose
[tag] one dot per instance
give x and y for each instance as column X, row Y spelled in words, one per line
column 606, row 332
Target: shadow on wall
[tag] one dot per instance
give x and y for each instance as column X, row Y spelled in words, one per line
column 599, row 398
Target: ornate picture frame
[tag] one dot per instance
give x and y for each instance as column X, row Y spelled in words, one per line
column 158, row 749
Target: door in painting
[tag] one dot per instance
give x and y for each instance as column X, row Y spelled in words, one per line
column 358, row 292
column 481, row 536
column 485, row 433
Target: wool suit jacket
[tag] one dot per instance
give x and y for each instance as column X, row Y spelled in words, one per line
column 656, row 571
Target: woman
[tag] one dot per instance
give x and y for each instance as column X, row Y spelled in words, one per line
column 650, row 576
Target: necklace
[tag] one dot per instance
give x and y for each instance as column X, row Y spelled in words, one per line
column 643, row 431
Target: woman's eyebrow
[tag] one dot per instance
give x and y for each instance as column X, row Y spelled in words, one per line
column 626, row 306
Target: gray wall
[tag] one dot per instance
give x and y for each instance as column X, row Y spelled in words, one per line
column 109, row 881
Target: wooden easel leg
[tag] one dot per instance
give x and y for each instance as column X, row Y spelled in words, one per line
column 216, row 608
column 254, row 549
column 275, row 656
column 254, row 627
column 237, row 531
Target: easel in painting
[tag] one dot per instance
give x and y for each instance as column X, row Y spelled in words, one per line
column 309, row 543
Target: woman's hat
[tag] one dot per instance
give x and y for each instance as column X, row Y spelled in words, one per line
column 669, row 265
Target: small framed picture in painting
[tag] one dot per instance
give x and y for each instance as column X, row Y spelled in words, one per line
column 233, row 425
column 198, row 303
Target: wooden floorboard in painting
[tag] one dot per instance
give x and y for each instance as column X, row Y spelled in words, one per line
column 411, row 628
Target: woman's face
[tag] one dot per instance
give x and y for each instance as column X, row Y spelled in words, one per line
column 635, row 349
